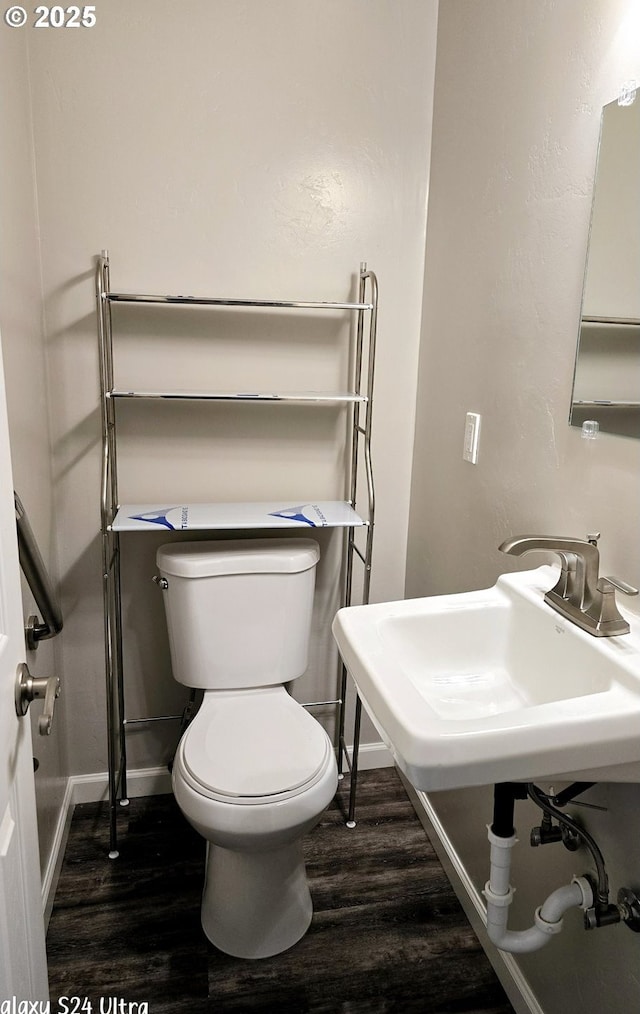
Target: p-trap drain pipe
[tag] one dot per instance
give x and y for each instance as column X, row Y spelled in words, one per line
column 547, row 918
column 581, row 893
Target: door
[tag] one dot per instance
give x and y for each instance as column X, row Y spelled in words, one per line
column 23, row 966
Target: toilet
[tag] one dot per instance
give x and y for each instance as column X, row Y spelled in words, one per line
column 254, row 771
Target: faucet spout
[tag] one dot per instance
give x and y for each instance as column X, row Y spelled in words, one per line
column 579, row 594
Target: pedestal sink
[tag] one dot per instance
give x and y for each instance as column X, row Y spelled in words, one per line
column 494, row 685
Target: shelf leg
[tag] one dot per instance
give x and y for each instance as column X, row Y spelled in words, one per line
column 119, row 680
column 341, row 719
column 351, row 821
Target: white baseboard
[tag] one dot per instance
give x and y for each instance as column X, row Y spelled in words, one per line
column 505, row 965
column 141, row 782
column 56, row 855
column 372, row 755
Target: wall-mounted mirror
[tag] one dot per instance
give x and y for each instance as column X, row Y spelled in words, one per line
column 607, row 373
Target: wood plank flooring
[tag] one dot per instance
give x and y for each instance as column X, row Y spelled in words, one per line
column 388, row 934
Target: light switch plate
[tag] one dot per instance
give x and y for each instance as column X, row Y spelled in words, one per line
column 471, row 437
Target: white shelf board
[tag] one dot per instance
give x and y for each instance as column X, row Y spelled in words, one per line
column 297, row 396
column 152, row 517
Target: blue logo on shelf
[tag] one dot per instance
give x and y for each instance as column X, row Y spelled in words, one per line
column 297, row 514
column 156, row 518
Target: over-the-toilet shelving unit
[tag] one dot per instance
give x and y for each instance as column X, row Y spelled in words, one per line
column 120, row 518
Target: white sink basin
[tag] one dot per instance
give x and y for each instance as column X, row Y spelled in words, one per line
column 494, row 685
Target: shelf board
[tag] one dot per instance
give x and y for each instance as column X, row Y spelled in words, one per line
column 623, row 321
column 151, row 517
column 268, row 396
column 131, row 297
column 606, row 404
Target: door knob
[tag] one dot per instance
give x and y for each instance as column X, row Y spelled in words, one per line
column 30, row 688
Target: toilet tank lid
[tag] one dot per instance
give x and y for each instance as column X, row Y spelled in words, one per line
column 245, row 556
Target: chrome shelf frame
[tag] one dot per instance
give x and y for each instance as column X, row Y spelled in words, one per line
column 359, row 406
column 280, row 304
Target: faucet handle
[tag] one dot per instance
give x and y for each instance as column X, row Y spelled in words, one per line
column 604, row 610
column 621, row 585
column 617, row 582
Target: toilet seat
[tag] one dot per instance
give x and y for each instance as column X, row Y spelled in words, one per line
column 253, row 747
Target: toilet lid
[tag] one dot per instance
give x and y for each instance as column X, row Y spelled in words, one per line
column 252, row 744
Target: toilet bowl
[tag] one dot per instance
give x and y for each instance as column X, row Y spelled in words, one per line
column 254, row 771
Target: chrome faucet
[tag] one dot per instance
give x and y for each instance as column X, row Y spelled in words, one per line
column 584, row 598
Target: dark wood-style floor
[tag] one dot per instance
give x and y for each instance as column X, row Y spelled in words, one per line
column 388, row 933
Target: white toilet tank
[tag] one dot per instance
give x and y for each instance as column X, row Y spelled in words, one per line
column 238, row 612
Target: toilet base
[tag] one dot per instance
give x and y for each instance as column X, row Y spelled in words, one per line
column 255, row 904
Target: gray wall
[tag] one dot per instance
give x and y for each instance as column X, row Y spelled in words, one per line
column 519, row 88
column 228, row 148
column 240, row 149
